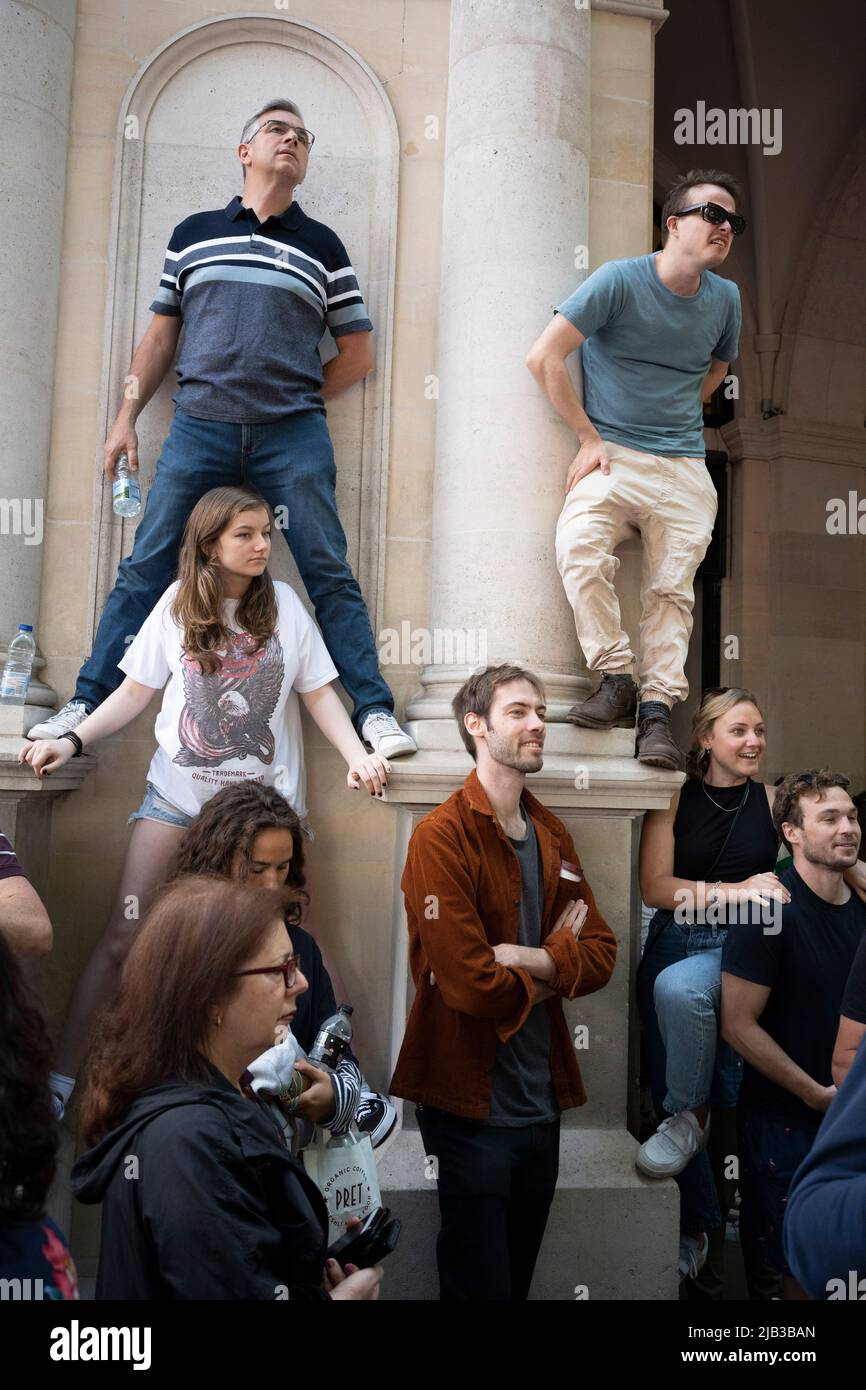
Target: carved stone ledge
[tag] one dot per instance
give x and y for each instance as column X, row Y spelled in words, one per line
column 27, row 804
column 636, row 9
column 614, row 785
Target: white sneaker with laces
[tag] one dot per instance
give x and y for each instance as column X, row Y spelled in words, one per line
column 673, row 1146
column 693, row 1255
column 74, row 712
column 384, row 736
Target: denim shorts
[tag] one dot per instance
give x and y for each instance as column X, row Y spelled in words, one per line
column 156, row 807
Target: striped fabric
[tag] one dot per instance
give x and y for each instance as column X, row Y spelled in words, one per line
column 9, row 866
column 255, row 298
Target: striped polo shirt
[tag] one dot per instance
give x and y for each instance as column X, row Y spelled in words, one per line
column 255, row 299
column 9, row 866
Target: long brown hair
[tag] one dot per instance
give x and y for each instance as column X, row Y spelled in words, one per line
column 714, row 704
column 229, row 822
column 28, row 1129
column 199, row 932
column 197, row 604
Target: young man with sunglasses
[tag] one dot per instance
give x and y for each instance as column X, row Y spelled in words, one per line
column 657, row 334
column 254, row 285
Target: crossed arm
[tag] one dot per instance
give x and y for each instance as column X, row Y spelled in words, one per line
column 503, row 982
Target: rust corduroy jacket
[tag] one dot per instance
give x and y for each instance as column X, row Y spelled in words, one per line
column 461, row 886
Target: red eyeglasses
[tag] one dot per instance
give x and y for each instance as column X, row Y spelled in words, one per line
column 288, row 970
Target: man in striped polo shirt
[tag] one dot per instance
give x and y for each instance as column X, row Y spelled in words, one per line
column 254, row 285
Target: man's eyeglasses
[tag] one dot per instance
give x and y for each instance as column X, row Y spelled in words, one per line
column 716, row 214
column 281, row 128
column 288, row 970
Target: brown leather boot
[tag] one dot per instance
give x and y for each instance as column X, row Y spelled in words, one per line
column 613, row 706
column 655, row 744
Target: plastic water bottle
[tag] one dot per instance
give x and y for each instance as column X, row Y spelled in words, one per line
column 333, row 1039
column 126, row 489
column 19, row 664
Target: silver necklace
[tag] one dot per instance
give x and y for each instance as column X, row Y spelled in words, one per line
column 729, row 810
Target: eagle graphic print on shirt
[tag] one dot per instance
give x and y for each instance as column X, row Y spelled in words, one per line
column 243, row 722
column 227, row 714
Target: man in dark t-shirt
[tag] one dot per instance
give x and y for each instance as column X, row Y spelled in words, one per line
column 781, row 995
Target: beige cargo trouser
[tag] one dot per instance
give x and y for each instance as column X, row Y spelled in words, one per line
column 673, row 503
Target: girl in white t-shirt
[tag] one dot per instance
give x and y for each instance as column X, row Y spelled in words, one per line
column 235, row 652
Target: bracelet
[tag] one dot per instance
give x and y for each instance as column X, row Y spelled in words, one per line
column 73, row 738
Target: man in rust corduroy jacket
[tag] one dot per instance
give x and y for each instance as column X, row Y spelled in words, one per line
column 502, row 927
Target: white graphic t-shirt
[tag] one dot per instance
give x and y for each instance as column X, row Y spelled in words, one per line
column 244, row 721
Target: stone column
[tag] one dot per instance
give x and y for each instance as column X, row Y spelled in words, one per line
column 38, row 39
column 515, row 211
column 516, row 208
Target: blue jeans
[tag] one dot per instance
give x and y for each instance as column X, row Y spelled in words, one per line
column 680, row 971
column 291, row 463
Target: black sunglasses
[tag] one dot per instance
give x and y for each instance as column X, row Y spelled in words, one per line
column 716, row 214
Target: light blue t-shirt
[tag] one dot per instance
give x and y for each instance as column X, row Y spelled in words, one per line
column 648, row 351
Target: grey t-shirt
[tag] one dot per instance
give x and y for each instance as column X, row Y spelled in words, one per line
column 521, row 1089
column 647, row 352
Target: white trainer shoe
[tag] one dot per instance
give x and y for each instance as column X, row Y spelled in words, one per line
column 381, row 732
column 693, row 1255
column 74, row 712
column 673, row 1146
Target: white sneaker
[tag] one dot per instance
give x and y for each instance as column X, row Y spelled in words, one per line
column 74, row 712
column 693, row 1255
column 383, row 735
column 673, row 1146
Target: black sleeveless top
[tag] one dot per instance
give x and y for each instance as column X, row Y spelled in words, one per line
column 700, row 829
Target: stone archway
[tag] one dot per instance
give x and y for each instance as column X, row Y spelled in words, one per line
column 177, row 135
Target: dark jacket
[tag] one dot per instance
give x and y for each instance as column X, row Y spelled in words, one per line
column 317, row 1001
column 461, row 886
column 202, row 1200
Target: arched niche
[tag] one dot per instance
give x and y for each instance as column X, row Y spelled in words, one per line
column 178, row 131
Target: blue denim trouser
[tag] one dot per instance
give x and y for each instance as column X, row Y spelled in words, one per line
column 693, row 1075
column 291, row 463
